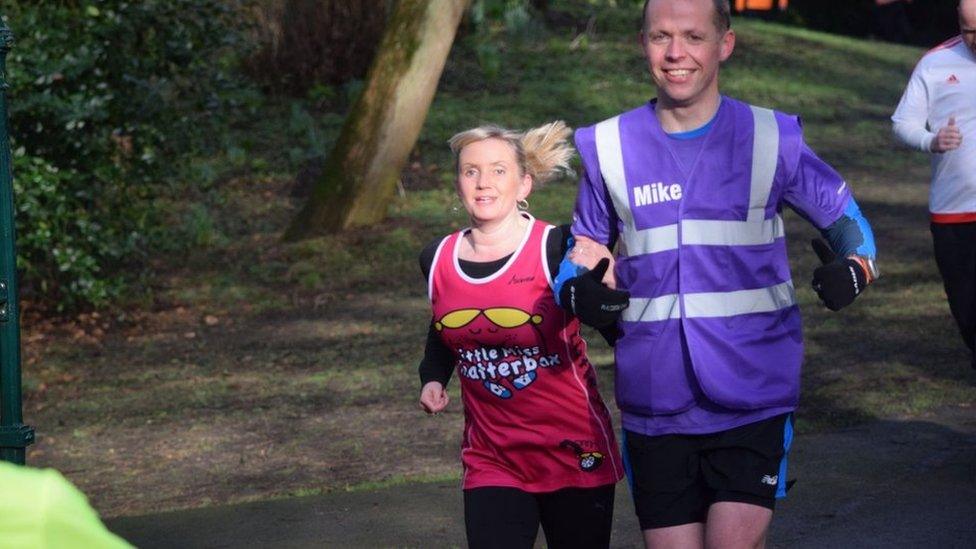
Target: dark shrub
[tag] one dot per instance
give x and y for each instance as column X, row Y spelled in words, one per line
column 302, row 43
column 105, row 97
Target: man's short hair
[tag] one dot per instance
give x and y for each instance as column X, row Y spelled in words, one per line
column 722, row 18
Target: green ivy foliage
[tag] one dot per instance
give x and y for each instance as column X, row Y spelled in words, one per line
column 105, row 97
column 59, row 243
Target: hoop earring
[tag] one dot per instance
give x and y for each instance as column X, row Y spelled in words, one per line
column 523, row 205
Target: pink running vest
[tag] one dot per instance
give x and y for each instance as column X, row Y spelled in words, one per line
column 533, row 417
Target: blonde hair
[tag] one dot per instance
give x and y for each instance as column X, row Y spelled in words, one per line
column 542, row 152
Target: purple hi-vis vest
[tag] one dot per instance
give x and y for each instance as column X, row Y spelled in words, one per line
column 703, row 255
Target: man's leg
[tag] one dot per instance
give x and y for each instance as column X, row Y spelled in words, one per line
column 955, row 254
column 670, row 497
column 686, row 536
column 735, row 525
column 746, row 467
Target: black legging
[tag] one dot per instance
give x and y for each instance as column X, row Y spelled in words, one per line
column 955, row 253
column 508, row 518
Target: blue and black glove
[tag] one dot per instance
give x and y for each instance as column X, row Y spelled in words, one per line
column 590, row 300
column 839, row 280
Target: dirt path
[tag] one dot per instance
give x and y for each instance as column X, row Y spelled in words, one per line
column 888, row 483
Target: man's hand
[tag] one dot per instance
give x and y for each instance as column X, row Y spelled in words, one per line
column 949, row 138
column 587, row 253
column 433, row 397
column 590, row 300
column 837, row 281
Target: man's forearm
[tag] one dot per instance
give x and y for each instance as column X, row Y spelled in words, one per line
column 851, row 237
column 914, row 135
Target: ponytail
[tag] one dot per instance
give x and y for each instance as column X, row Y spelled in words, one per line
column 547, row 151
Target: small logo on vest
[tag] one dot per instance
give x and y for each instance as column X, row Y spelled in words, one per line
column 516, row 279
column 770, row 480
column 588, row 461
column 952, row 79
column 654, row 193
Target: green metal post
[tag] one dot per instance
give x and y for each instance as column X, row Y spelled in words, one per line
column 14, row 435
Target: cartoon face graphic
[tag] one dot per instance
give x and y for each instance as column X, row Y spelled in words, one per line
column 499, row 347
column 588, row 461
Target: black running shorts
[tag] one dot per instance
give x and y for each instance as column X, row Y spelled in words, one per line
column 675, row 478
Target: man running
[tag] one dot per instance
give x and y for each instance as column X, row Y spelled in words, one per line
column 691, row 185
column 936, row 113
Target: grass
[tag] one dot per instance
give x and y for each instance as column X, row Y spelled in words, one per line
column 265, row 370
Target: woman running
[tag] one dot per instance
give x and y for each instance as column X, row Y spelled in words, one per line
column 538, row 446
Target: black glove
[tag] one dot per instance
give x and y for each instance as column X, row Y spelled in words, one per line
column 837, row 281
column 611, row 334
column 590, row 300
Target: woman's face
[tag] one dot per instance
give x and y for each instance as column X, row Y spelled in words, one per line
column 489, row 182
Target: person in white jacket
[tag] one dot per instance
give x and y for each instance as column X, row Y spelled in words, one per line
column 937, row 115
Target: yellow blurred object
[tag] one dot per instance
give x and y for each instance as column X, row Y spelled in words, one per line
column 40, row 509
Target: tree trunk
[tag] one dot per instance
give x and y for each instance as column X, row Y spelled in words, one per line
column 360, row 174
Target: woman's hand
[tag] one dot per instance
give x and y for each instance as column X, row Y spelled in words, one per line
column 433, row 397
column 587, row 253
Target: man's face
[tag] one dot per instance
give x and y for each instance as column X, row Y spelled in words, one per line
column 967, row 23
column 684, row 49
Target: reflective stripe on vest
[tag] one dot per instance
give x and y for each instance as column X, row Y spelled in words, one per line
column 656, row 308
column 711, row 304
column 755, row 230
